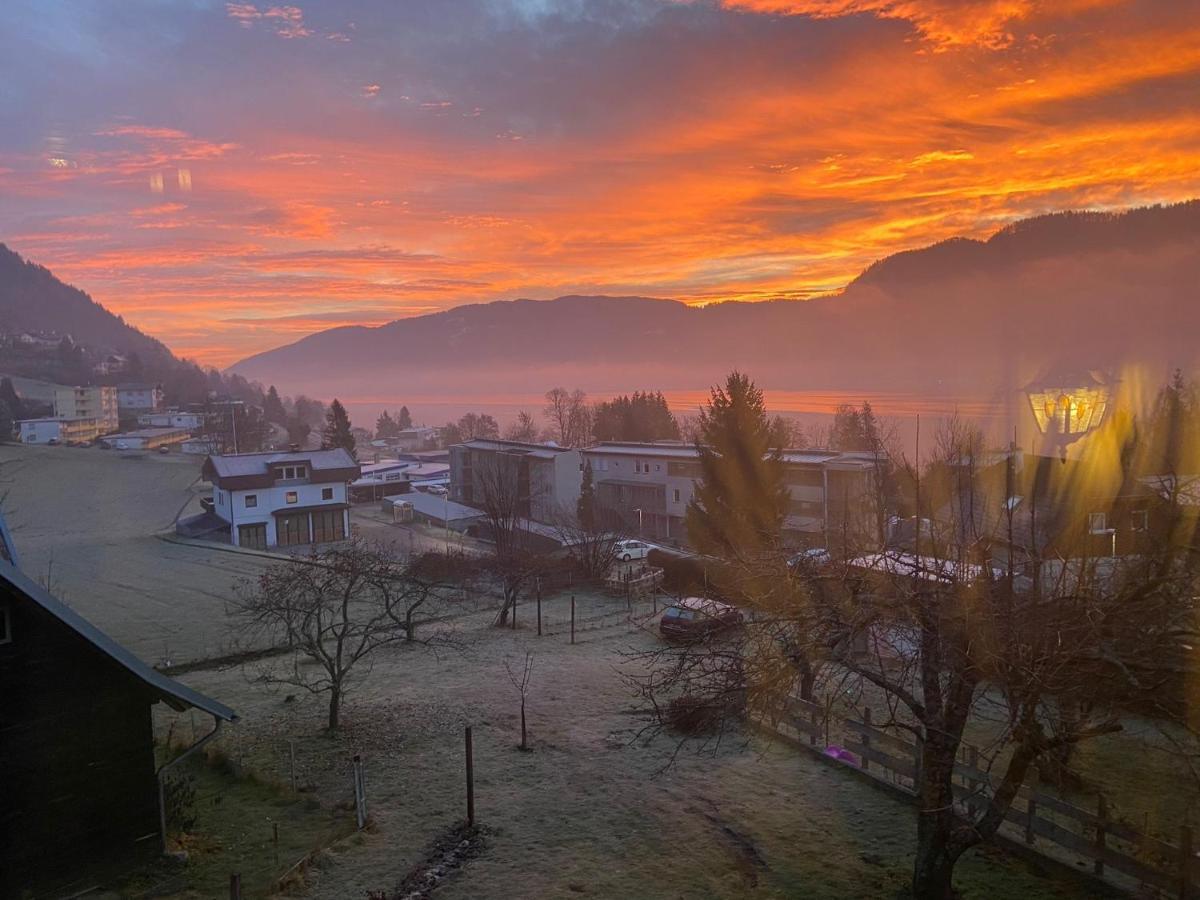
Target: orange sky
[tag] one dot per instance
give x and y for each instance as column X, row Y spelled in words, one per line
column 230, row 177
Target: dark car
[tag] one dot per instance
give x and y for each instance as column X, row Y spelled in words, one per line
column 695, row 617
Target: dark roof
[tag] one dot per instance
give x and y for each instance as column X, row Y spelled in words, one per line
column 171, row 692
column 250, row 470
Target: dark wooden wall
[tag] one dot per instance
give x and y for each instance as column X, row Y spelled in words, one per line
column 77, row 782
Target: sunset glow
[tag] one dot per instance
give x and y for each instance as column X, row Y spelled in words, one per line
column 231, row 176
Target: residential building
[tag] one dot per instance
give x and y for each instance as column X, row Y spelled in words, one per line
column 139, row 397
column 545, row 478
column 78, row 754
column 97, row 402
column 282, row 499
column 646, row 489
column 147, row 438
column 64, row 431
column 172, row 418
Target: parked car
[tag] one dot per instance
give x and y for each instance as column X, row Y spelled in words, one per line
column 53, row 442
column 695, row 617
column 438, row 489
column 812, row 558
column 627, row 550
column 164, row 449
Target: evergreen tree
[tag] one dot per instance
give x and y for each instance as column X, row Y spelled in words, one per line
column 9, row 396
column 273, row 409
column 640, row 417
column 403, row 419
column 386, row 427
column 740, row 501
column 337, row 429
column 6, row 422
column 585, row 507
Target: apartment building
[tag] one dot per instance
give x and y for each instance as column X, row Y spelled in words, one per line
column 97, row 402
column 62, row 431
column 544, row 477
column 283, row 499
column 139, row 397
column 646, row 488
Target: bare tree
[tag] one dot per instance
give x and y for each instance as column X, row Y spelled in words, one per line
column 523, row 429
column 506, row 492
column 593, row 550
column 335, row 607
column 945, row 638
column 520, row 681
column 569, row 415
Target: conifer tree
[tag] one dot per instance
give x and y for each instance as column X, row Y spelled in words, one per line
column 404, row 418
column 385, row 426
column 739, row 503
column 337, row 429
column 273, row 410
column 585, row 507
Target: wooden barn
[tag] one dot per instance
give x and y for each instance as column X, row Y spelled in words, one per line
column 78, row 783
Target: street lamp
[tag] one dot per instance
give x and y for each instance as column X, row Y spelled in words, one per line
column 1067, row 406
column 639, row 512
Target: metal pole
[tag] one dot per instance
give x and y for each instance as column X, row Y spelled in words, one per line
column 539, row 606
column 292, row 759
column 572, row 618
column 470, row 781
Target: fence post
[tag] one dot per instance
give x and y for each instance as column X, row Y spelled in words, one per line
column 866, row 739
column 539, row 606
column 572, row 618
column 292, row 762
column 470, row 780
column 814, row 719
column 1101, row 836
column 235, row 887
column 275, row 839
column 1030, row 816
column 360, row 793
column 1185, row 862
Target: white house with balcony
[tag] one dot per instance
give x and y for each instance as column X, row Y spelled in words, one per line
column 283, row 499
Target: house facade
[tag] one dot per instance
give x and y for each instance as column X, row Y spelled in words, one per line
column 139, row 397
column 283, row 499
column 42, row 431
column 172, row 418
column 646, row 489
column 97, row 402
column 544, row 478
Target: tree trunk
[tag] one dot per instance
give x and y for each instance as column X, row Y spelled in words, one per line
column 808, row 679
column 410, row 627
column 524, row 744
column 335, row 703
column 937, row 850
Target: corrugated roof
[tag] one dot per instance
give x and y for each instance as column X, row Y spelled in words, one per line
column 174, row 694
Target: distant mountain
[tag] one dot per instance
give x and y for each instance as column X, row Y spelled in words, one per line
column 1068, row 290
column 32, row 299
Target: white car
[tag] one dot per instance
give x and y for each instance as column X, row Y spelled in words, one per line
column 627, row 550
column 438, row 489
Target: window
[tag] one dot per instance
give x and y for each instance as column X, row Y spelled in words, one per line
column 326, row 493
column 251, row 501
column 291, row 497
column 5, row 625
column 1097, row 523
column 328, row 526
column 220, row 498
column 290, row 473
column 676, row 495
column 1139, row 520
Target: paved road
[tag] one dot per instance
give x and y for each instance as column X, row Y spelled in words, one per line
column 85, row 522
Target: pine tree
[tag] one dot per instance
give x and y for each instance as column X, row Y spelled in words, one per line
column 585, row 507
column 337, row 429
column 8, row 395
column 385, row 426
column 740, row 501
column 273, row 410
column 6, row 422
column 404, row 419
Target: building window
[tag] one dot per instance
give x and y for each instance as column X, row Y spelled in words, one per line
column 291, row 497
column 251, row 501
column 676, row 495
column 1139, row 520
column 326, row 493
column 290, row 473
column 5, row 625
column 220, row 498
column 1097, row 523
column 328, row 526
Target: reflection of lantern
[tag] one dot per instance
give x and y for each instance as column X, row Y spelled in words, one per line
column 1068, row 406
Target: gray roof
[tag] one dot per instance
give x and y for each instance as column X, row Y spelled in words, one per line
column 682, row 450
column 542, row 451
column 260, row 463
column 438, row 507
column 174, row 694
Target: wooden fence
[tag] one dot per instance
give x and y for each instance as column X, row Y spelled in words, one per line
column 1118, row 853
